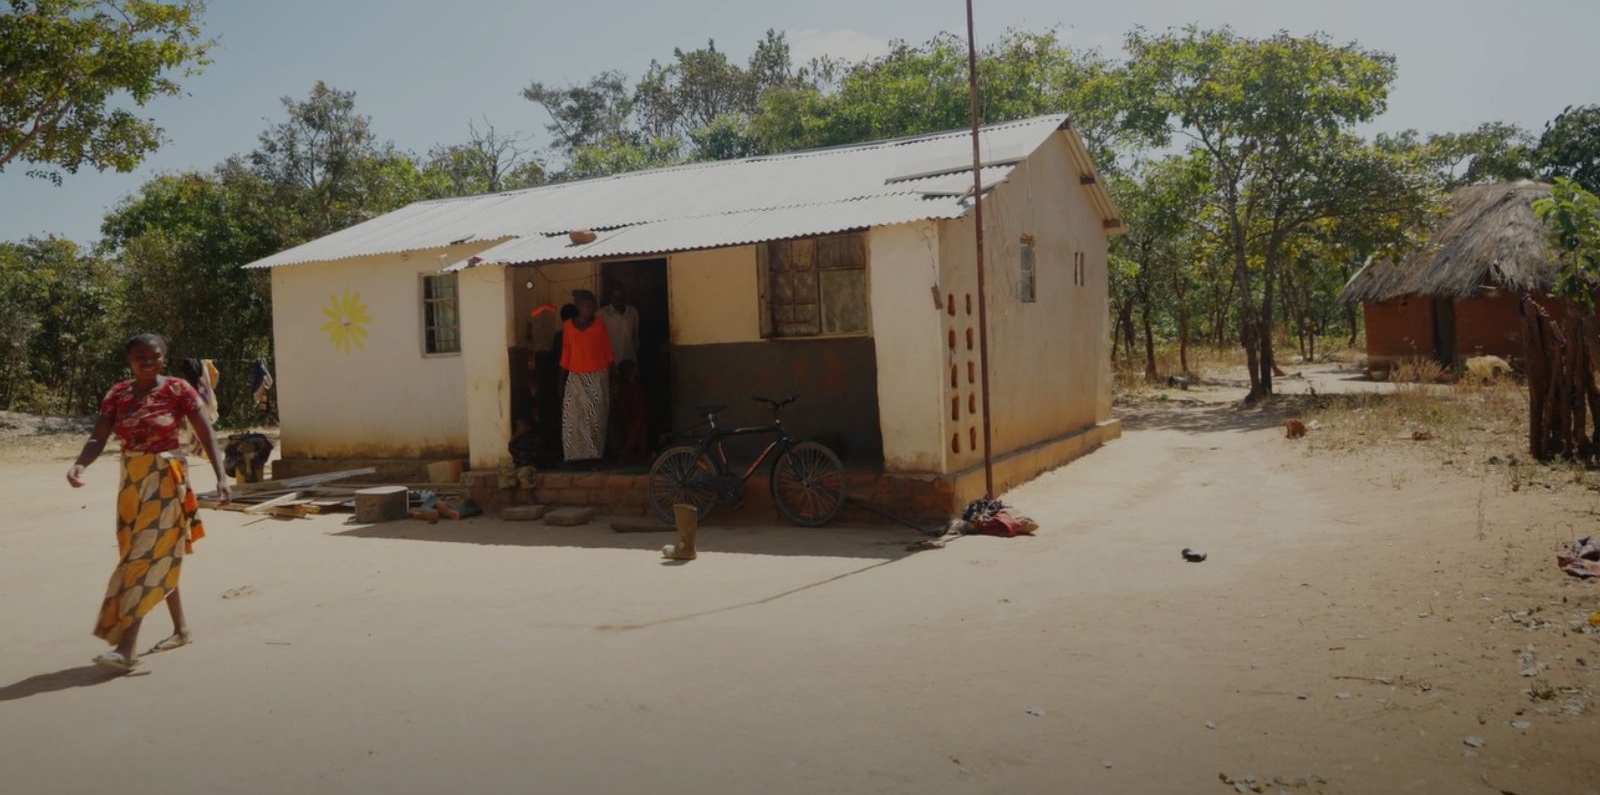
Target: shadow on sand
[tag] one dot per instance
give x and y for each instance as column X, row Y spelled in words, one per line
column 67, row 679
column 1193, row 416
column 1197, row 416
column 842, row 541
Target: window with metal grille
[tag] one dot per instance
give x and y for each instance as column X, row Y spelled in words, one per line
column 814, row 287
column 441, row 316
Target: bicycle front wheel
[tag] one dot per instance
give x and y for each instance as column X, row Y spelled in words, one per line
column 808, row 485
column 683, row 476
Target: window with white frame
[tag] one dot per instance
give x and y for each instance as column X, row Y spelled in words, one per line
column 814, row 287
column 441, row 315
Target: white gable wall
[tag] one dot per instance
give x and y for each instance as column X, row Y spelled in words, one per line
column 1049, row 361
column 383, row 398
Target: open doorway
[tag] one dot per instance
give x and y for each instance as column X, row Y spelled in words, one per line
column 1444, row 332
column 644, row 283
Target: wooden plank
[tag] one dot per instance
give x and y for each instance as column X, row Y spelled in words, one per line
column 273, row 503
column 303, row 481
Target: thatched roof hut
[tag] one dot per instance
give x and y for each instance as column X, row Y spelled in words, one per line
column 1491, row 239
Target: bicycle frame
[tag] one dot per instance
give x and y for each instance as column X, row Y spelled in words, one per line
column 712, row 442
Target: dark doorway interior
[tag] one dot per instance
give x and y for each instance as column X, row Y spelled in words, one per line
column 645, row 282
column 1444, row 331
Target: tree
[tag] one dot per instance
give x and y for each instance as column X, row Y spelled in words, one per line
column 1159, row 204
column 180, row 242
column 1492, row 152
column 328, row 165
column 60, row 312
column 1571, row 214
column 488, row 162
column 1570, row 146
column 1273, row 116
column 587, row 114
column 1562, row 394
column 67, row 64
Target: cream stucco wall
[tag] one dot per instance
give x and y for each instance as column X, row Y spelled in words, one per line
column 714, row 297
column 1049, row 364
column 383, row 398
column 488, row 330
column 907, row 329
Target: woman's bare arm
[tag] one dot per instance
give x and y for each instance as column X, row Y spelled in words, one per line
column 91, row 451
column 202, row 429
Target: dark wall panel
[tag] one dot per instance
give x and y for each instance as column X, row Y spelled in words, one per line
column 836, row 379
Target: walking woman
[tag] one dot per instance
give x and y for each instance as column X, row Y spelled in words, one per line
column 585, row 364
column 157, row 522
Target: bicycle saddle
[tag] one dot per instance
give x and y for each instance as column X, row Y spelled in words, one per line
column 706, row 411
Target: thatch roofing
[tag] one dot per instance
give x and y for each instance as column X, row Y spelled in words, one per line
column 1491, row 238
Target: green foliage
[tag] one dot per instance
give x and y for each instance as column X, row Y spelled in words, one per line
column 1573, row 217
column 1570, row 146
column 1493, row 152
column 58, row 309
column 68, row 66
column 1274, row 118
column 488, row 162
column 181, row 241
column 326, row 163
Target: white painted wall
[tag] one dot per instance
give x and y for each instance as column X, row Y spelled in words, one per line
column 383, row 398
column 1049, row 361
column 904, row 262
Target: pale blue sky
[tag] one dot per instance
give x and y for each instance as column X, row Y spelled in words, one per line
column 422, row 70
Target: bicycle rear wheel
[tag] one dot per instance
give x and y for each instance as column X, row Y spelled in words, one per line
column 683, row 475
column 808, row 484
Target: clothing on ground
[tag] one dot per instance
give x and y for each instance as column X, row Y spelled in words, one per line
column 157, row 525
column 585, row 409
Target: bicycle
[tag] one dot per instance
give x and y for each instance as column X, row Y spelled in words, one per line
column 807, row 479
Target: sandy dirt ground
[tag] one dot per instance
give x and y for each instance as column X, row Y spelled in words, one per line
column 1361, row 616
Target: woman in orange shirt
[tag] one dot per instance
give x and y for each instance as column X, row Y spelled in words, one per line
column 585, row 364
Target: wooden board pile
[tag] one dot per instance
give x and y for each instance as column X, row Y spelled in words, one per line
column 298, row 498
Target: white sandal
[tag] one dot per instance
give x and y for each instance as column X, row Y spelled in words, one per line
column 115, row 661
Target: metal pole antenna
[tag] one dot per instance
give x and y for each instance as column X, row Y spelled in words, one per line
column 977, row 218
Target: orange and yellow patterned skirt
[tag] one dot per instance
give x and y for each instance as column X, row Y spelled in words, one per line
column 157, row 524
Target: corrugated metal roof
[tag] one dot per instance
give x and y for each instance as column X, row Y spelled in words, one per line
column 703, row 205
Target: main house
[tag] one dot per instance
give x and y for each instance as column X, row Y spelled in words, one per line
column 845, row 275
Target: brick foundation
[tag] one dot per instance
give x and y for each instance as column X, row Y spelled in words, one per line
column 927, row 499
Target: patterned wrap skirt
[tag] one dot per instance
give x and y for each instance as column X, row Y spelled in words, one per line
column 585, row 410
column 157, row 525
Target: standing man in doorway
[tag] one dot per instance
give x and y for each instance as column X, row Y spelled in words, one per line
column 622, row 323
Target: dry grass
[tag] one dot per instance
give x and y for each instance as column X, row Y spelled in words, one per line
column 1205, row 363
column 1474, row 425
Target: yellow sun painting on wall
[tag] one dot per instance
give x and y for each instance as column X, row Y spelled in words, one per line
column 347, row 321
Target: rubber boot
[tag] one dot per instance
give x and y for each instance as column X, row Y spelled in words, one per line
column 688, row 518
